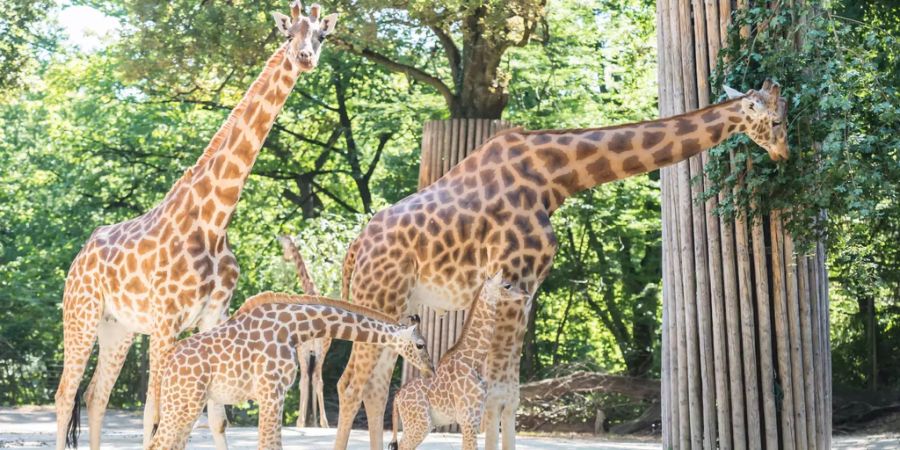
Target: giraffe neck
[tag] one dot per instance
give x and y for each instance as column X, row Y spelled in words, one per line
column 320, row 321
column 293, row 254
column 210, row 190
column 475, row 342
column 551, row 165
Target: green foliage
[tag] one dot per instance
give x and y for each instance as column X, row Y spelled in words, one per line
column 23, row 32
column 842, row 181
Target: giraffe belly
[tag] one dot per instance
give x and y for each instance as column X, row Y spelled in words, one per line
column 440, row 298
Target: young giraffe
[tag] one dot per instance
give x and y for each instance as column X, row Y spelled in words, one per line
column 456, row 392
column 171, row 269
column 311, row 352
column 492, row 212
column 252, row 357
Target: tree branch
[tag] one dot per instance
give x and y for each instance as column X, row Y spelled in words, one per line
column 453, row 55
column 413, row 72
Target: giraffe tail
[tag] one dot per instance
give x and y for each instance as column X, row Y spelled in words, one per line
column 347, row 269
column 395, row 424
column 73, row 429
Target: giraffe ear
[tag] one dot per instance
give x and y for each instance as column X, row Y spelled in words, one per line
column 328, row 23
column 733, row 93
column 282, row 23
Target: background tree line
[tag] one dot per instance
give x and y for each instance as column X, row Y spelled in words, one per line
column 90, row 138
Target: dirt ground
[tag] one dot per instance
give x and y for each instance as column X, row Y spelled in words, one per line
column 34, row 428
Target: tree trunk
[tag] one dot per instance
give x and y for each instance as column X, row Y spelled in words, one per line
column 746, row 357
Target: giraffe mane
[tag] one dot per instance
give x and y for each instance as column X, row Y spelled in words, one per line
column 621, row 125
column 267, row 298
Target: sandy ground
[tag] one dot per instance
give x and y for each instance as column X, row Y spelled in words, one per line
column 34, row 427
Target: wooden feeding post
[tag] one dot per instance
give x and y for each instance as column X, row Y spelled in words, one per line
column 444, row 144
column 746, row 355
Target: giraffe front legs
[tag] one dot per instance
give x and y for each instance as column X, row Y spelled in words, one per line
column 270, row 411
column 319, row 386
column 304, row 386
column 81, row 316
column 114, row 342
column 508, row 423
column 161, row 344
column 375, row 396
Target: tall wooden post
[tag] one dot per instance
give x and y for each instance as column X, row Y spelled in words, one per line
column 746, row 356
column 444, row 144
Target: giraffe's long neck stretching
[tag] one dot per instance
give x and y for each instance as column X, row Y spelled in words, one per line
column 560, row 163
column 475, row 342
column 319, row 321
column 210, row 189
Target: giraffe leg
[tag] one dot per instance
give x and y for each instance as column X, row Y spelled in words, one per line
column 375, row 397
column 508, row 423
column 161, row 343
column 414, row 413
column 180, row 405
column 114, row 342
column 320, row 393
column 350, row 388
column 490, row 424
column 270, row 409
column 215, row 411
column 304, row 387
column 469, row 429
column 81, row 315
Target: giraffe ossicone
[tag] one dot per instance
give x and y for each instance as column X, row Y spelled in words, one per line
column 492, row 212
column 171, row 269
column 252, row 356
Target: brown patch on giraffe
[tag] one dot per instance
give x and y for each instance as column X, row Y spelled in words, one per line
column 244, row 151
column 735, row 119
column 528, row 171
column 651, row 138
column 690, row 147
column 540, row 139
column 601, row 170
column 710, row 116
column 633, row 165
column 715, row 132
column 232, row 170
column 584, row 150
column 564, row 140
column 553, row 158
column 287, row 65
column 262, row 125
column 228, row 196
column 493, row 154
column 684, row 126
column 621, row 142
column 664, row 155
column 570, row 181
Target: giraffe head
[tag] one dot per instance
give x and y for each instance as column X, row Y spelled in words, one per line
column 765, row 113
column 410, row 344
column 305, row 34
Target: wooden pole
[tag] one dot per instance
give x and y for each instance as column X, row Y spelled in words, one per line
column 746, row 355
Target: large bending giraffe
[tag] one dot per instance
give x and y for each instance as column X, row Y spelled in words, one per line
column 171, row 269
column 492, row 212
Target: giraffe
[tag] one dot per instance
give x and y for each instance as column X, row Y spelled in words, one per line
column 311, row 352
column 171, row 269
column 456, row 392
column 492, row 212
column 252, row 357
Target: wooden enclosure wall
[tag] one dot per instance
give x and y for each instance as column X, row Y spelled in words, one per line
column 444, row 144
column 746, row 358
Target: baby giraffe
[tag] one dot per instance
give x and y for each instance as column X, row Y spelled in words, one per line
column 457, row 391
column 253, row 356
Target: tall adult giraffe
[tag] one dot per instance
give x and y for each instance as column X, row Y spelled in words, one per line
column 492, row 212
column 171, row 269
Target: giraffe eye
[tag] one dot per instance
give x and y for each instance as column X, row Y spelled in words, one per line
column 776, row 123
column 322, row 37
column 420, row 345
